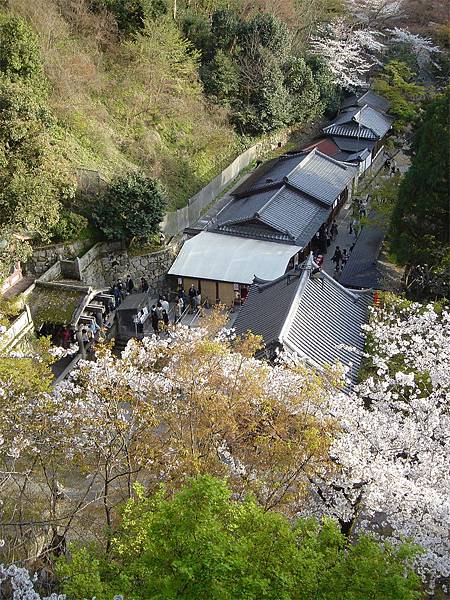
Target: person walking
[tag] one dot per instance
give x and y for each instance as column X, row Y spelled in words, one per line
column 345, row 257
column 334, row 230
column 144, row 285
column 337, row 258
column 155, row 320
column 129, row 284
column 351, row 226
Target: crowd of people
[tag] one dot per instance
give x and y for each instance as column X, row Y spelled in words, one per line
column 121, row 289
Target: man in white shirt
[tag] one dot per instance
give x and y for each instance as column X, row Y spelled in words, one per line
column 165, row 304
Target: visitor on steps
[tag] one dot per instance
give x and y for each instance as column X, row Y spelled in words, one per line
column 130, row 285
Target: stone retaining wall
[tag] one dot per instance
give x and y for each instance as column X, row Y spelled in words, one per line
column 108, row 263
column 45, row 256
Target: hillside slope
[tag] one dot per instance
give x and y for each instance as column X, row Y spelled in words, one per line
column 130, row 104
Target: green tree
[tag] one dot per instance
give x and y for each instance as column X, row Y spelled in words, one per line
column 421, row 216
column 422, row 208
column 34, row 175
column 329, row 93
column 396, row 83
column 221, row 78
column 132, row 207
column 303, row 90
column 224, row 29
column 19, row 54
column 267, row 31
column 197, row 30
column 263, row 103
column 200, row 544
column 132, row 15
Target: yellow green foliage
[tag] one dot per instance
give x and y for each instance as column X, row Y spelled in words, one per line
column 125, row 104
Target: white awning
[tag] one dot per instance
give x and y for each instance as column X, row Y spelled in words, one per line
column 230, row 258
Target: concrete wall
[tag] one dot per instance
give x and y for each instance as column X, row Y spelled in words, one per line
column 175, row 222
column 17, row 330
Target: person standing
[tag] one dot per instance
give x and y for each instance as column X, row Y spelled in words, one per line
column 351, row 226
column 129, row 284
column 178, row 310
column 192, row 296
column 117, row 296
column 165, row 318
column 158, row 310
column 165, row 305
column 155, row 320
column 121, row 288
column 144, row 285
column 337, row 258
column 334, row 230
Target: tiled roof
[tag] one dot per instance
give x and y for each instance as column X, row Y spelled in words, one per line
column 321, row 176
column 370, row 98
column 353, row 156
column 352, row 131
column 278, row 171
column 284, row 215
column 351, row 145
column 360, row 122
column 374, row 101
column 267, row 307
column 293, row 202
column 361, row 270
column 325, row 145
column 313, row 317
column 374, row 120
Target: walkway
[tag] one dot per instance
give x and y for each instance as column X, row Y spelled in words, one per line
column 367, row 245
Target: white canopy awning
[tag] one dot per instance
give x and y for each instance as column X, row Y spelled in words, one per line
column 230, row 258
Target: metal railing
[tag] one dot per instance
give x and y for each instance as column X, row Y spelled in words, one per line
column 198, row 313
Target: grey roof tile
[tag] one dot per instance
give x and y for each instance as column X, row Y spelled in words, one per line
column 352, row 145
column 284, row 215
column 374, row 101
column 370, row 98
column 267, row 307
column 351, row 130
column 316, row 318
column 363, row 122
column 321, row 176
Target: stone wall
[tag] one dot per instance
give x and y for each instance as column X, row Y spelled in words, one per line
column 45, row 256
column 108, row 263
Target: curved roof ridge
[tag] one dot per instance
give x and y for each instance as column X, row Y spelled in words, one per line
column 262, row 284
column 352, row 293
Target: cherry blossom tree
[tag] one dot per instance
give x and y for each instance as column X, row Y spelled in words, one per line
column 196, row 402
column 394, row 445
column 348, row 51
column 17, row 583
column 377, row 12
